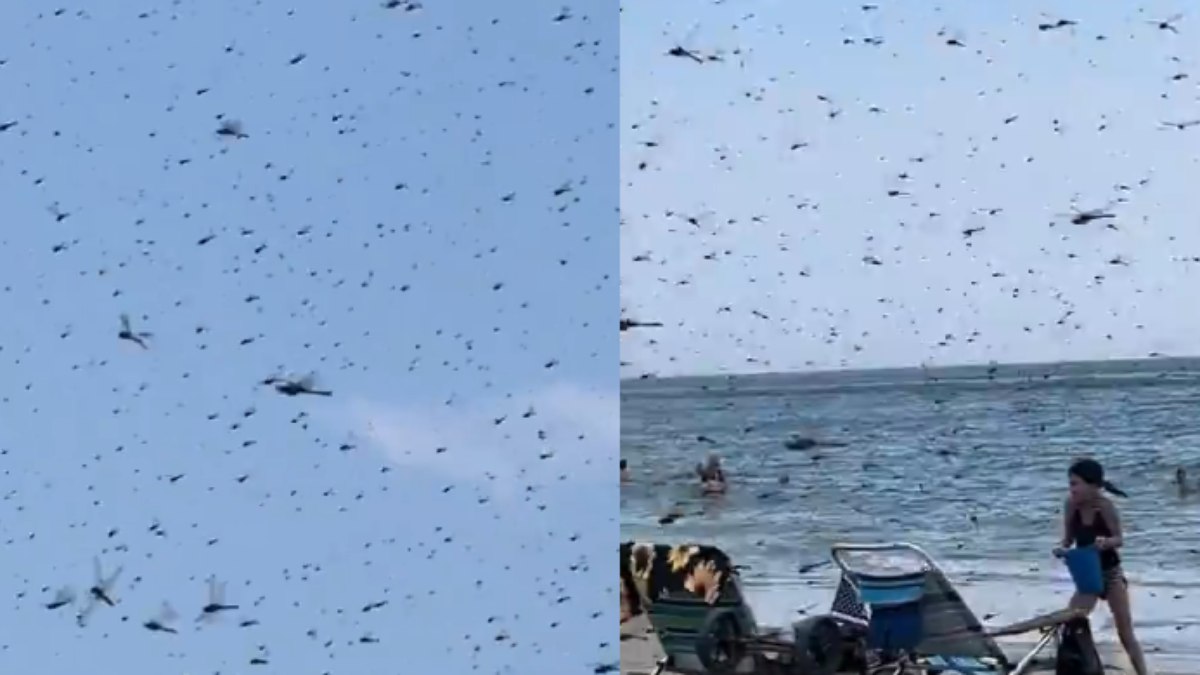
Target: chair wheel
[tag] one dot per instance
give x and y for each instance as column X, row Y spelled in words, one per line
column 817, row 646
column 721, row 643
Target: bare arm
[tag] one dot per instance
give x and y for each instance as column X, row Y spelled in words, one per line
column 1113, row 519
column 1068, row 511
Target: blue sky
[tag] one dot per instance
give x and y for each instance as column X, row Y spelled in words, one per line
column 1083, row 117
column 360, row 230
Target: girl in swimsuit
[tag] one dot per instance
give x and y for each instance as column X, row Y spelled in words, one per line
column 1091, row 519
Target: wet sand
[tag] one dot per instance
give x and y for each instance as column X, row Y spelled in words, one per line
column 640, row 651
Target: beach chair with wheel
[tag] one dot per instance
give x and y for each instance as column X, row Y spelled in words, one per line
column 918, row 623
column 693, row 598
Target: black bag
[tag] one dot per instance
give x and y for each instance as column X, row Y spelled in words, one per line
column 1077, row 653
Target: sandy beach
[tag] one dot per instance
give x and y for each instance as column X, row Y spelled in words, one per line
column 640, row 651
column 962, row 439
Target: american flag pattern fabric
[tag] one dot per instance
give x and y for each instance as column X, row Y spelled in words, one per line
column 846, row 602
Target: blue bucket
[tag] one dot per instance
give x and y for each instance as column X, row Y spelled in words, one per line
column 1084, row 565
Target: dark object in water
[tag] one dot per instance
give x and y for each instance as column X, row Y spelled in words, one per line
column 799, row 443
column 1077, row 653
column 806, row 443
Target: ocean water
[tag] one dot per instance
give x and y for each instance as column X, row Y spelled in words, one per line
column 969, row 463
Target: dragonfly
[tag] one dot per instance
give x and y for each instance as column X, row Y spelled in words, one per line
column 627, row 324
column 127, row 333
column 100, row 592
column 161, row 622
column 63, row 597
column 1079, row 217
column 1055, row 24
column 216, row 601
column 1180, row 126
column 1166, row 24
column 231, row 129
column 260, row 656
column 292, row 386
column 680, row 51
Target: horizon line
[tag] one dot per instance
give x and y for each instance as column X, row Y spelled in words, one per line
column 919, row 367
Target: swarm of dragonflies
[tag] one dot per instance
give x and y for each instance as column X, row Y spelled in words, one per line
column 101, row 593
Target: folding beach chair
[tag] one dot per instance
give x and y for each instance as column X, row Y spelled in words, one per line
column 917, row 622
column 659, row 574
column 679, row 621
column 716, row 632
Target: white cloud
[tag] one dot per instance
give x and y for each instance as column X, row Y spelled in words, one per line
column 580, row 426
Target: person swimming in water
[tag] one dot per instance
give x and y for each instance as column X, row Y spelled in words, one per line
column 1181, row 482
column 712, row 476
column 1091, row 519
column 626, row 476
